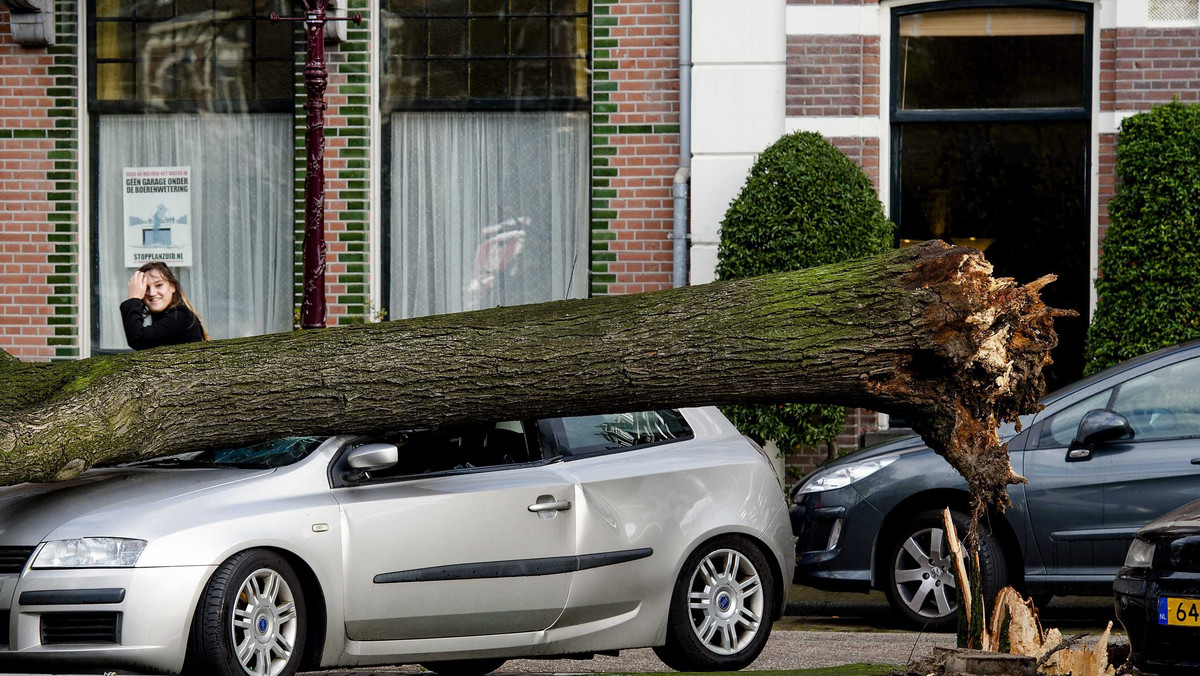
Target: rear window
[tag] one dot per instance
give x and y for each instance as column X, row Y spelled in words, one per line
column 595, row 434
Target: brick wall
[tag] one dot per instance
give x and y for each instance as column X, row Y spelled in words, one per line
column 832, row 75
column 347, row 115
column 1154, row 66
column 635, row 144
column 39, row 248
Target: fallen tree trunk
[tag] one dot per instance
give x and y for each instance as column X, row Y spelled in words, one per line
column 923, row 331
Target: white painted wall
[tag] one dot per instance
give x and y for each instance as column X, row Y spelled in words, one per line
column 739, row 50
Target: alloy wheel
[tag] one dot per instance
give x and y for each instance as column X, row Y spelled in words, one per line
column 264, row 623
column 924, row 574
column 725, row 601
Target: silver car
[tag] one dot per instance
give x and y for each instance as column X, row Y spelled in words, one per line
column 454, row 547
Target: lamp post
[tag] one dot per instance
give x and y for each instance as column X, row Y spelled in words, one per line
column 316, row 76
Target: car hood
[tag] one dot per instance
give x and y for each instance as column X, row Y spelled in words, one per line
column 1182, row 521
column 31, row 512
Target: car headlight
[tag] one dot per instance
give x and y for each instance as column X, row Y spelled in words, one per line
column 845, row 475
column 1141, row 554
column 90, row 553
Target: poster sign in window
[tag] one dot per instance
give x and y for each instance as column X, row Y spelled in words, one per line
column 158, row 215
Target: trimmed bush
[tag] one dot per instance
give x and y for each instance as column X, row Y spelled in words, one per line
column 1149, row 282
column 804, row 204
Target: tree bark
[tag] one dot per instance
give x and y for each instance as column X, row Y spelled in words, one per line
column 924, row 331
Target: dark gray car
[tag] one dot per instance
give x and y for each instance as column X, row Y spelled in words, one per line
column 872, row 519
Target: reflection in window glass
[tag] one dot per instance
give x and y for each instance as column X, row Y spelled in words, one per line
column 486, row 54
column 993, row 58
column 1163, row 404
column 216, row 55
column 1060, row 431
column 586, row 435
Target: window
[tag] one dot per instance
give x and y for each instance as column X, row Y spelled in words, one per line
column 1060, row 431
column 1162, row 404
column 596, row 434
column 486, row 104
column 202, row 87
column 991, row 134
column 458, row 448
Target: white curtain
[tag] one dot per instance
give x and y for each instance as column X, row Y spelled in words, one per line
column 487, row 209
column 241, row 275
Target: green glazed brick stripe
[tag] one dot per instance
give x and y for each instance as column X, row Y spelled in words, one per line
column 603, row 132
column 65, row 280
column 350, row 58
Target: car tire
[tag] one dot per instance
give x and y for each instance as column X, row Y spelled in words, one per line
column 722, row 607
column 477, row 667
column 919, row 579
column 251, row 618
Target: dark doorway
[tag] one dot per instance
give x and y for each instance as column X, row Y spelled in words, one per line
column 991, row 132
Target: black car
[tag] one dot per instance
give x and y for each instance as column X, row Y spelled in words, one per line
column 872, row 520
column 1158, row 593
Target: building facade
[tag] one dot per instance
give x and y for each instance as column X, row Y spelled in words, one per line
column 485, row 152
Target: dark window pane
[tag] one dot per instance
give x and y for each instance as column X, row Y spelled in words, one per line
column 487, row 7
column 406, row 6
column 406, row 37
column 154, row 8
column 568, row 6
column 268, row 7
column 114, row 7
column 234, row 7
column 568, row 78
column 114, row 40
column 447, row 6
column 447, row 37
column 528, row 6
column 1017, row 190
column 156, row 80
column 488, row 78
column 527, row 79
column 487, row 37
column 272, row 41
column 185, row 7
column 406, row 80
column 528, row 37
column 448, row 79
column 568, row 36
column 114, row 81
column 232, row 81
column 993, row 59
column 273, row 80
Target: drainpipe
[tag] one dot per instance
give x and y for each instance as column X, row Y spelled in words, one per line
column 679, row 233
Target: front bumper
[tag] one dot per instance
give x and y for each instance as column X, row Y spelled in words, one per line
column 151, row 609
column 1156, row 647
column 836, row 537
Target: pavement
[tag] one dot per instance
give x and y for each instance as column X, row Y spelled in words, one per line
column 820, row 630
column 784, row 650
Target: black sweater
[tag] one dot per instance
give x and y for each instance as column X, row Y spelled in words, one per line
column 174, row 326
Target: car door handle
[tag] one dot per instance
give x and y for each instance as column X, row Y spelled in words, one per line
column 1196, row 461
column 559, row 506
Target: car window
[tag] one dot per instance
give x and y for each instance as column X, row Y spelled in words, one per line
column 457, row 447
column 594, row 434
column 1162, row 404
column 1060, row 430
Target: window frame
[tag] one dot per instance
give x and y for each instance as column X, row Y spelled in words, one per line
column 95, row 109
column 387, row 105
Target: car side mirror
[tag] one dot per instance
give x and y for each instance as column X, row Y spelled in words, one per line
column 370, row 458
column 1098, row 427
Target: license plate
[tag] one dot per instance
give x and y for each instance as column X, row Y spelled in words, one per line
column 1181, row 612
